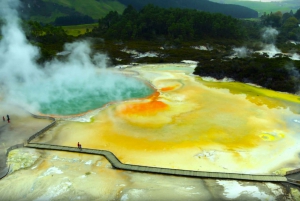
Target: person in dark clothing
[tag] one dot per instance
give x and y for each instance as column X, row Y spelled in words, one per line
column 8, row 119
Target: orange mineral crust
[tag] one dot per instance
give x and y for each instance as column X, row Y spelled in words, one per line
column 147, row 108
column 193, row 124
column 168, row 88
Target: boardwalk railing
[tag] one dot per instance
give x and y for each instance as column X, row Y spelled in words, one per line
column 115, row 162
column 44, row 129
column 14, row 147
column 294, row 180
column 41, row 131
column 36, row 134
column 292, row 171
column 4, row 172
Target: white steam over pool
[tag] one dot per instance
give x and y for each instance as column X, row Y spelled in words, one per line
column 25, row 82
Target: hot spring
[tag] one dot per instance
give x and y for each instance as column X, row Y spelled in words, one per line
column 75, row 96
column 72, row 84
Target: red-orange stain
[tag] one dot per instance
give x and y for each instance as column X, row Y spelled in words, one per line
column 154, row 96
column 146, row 108
column 168, row 88
column 149, row 108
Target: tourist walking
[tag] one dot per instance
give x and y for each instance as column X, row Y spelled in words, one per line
column 78, row 144
column 8, row 119
column 3, row 118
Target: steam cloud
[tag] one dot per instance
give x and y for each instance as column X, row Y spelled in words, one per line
column 241, row 52
column 28, row 84
column 269, row 35
column 295, row 56
column 269, row 38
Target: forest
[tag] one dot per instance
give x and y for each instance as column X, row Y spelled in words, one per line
column 286, row 23
column 47, row 11
column 280, row 74
column 200, row 5
column 175, row 31
column 153, row 22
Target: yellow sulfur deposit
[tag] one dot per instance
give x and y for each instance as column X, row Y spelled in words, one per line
column 193, row 123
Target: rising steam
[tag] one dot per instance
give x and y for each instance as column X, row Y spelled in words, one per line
column 241, row 52
column 269, row 36
column 25, row 82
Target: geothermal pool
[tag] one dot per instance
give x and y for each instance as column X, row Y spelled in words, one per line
column 79, row 96
column 193, row 123
column 187, row 122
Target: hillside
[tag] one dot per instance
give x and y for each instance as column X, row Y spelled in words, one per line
column 48, row 10
column 265, row 7
column 236, row 11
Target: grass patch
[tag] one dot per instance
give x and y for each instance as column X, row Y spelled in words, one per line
column 76, row 30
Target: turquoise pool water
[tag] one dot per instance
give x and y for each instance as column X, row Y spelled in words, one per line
column 72, row 97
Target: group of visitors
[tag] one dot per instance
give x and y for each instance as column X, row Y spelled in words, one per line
column 8, row 119
column 79, row 145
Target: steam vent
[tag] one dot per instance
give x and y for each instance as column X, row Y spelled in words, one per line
column 177, row 121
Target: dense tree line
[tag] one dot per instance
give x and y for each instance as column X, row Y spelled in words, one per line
column 49, row 38
column 153, row 22
column 45, row 33
column 279, row 74
column 201, row 5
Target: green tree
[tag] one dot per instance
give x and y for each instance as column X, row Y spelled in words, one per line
column 297, row 14
column 290, row 25
column 111, row 18
column 153, row 22
column 273, row 20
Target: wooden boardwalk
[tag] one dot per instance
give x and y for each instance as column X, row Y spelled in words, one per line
column 4, row 172
column 115, row 162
